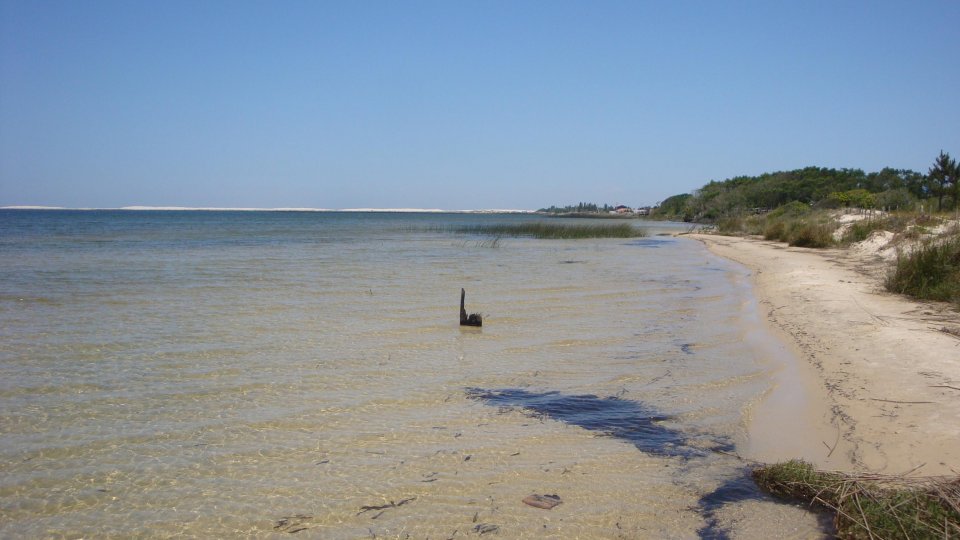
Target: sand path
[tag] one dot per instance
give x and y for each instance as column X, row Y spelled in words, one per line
column 885, row 377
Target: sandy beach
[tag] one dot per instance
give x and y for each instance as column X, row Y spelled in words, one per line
column 877, row 384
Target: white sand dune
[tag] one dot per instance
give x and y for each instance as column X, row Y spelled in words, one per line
column 884, row 394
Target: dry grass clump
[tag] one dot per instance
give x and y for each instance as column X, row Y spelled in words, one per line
column 807, row 231
column 794, row 223
column 868, row 505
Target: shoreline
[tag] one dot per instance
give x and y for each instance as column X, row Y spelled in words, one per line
column 877, row 384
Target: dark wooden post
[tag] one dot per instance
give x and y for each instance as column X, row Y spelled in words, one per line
column 474, row 319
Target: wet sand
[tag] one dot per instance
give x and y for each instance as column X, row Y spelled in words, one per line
column 878, row 387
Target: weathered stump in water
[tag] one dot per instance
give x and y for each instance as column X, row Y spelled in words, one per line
column 474, row 319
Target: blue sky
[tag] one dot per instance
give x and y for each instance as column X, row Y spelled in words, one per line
column 459, row 104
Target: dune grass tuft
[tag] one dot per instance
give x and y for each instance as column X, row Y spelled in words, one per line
column 929, row 272
column 871, row 506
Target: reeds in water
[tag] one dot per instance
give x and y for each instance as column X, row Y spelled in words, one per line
column 561, row 231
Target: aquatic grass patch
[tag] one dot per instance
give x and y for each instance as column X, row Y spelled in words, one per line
column 869, row 505
column 558, row 231
column 929, row 272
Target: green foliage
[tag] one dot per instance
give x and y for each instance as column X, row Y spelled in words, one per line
column 895, row 199
column 797, row 225
column 775, row 230
column 930, row 272
column 869, row 506
column 675, row 207
column 944, row 178
column 823, row 187
column 856, row 198
column 888, row 189
column 792, row 209
column 730, row 225
column 809, row 233
column 543, row 230
column 794, row 223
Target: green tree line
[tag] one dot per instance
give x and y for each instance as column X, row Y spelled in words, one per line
column 578, row 208
column 889, row 188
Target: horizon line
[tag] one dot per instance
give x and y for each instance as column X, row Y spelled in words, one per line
column 280, row 209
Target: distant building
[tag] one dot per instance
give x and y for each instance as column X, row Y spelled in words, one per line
column 621, row 209
column 643, row 211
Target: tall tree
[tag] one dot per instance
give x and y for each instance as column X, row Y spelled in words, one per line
column 956, row 185
column 943, row 176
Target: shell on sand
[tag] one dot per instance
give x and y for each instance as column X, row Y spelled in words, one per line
column 542, row 501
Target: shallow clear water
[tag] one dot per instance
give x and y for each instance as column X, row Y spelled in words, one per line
column 229, row 373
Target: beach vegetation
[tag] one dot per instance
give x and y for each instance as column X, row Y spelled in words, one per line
column 793, row 209
column 854, row 198
column 579, row 208
column 869, row 505
column 888, row 189
column 859, row 231
column 794, row 223
column 546, row 230
column 896, row 200
column 677, row 208
column 930, row 271
column 808, row 232
column 944, row 179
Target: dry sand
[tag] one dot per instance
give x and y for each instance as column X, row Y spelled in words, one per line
column 878, row 384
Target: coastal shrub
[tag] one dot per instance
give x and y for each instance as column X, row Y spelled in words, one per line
column 895, row 199
column 775, row 230
column 809, row 233
column 791, row 210
column 929, row 272
column 739, row 224
column 798, row 225
column 543, row 230
column 754, row 225
column 730, row 225
column 870, row 506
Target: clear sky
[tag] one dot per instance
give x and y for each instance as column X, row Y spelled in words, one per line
column 460, row 104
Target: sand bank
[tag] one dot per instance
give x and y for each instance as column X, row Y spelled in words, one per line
column 880, row 373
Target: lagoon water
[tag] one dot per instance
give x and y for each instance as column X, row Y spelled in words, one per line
column 220, row 374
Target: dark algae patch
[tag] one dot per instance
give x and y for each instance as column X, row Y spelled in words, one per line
column 740, row 488
column 643, row 426
column 624, row 419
